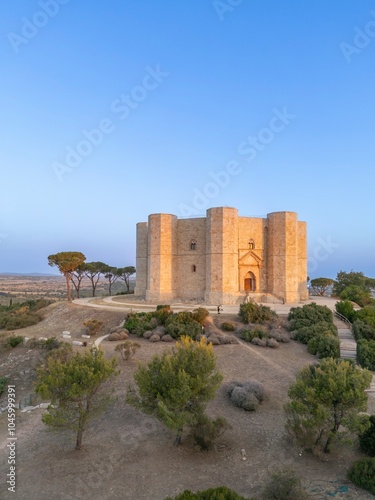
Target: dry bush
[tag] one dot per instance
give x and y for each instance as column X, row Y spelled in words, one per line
column 246, row 395
column 127, row 349
column 93, row 326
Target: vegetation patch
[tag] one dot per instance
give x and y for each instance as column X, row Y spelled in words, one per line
column 220, row 493
column 246, row 395
column 362, row 474
column 184, row 323
column 313, row 325
column 285, row 485
column 21, row 315
column 367, row 439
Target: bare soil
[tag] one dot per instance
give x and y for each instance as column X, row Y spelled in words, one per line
column 128, row 455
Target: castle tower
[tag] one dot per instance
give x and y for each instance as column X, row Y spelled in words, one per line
column 221, row 255
column 162, row 249
column 286, row 269
column 141, row 259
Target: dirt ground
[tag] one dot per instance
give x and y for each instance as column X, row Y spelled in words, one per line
column 128, row 455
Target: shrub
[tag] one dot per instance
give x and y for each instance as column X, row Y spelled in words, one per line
column 205, row 431
column 16, row 316
column 177, row 330
column 259, row 332
column 307, row 315
column 279, row 335
column 163, row 306
column 362, row 474
column 366, row 353
column 259, row 342
column 246, row 395
column 200, row 314
column 272, row 343
column 14, row 341
column 139, row 323
column 3, row 383
column 255, row 388
column 284, row 485
column 346, row 308
column 162, row 314
column 363, row 331
column 220, row 493
column 324, row 346
column 254, row 313
column 184, row 324
column 243, row 399
column 367, row 439
column 227, row 327
column 127, row 349
column 357, row 294
column 367, row 315
column 306, row 333
column 51, row 343
column 93, row 326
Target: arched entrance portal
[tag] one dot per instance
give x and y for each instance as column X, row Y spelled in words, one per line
column 250, row 282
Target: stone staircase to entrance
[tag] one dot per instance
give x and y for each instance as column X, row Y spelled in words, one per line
column 348, row 345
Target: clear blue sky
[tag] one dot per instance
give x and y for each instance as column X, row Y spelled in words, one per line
column 182, row 91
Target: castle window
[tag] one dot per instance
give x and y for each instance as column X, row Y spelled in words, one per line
column 251, row 245
column 194, row 268
column 193, row 245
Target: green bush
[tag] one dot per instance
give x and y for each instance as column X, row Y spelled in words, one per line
column 254, row 313
column 367, row 315
column 177, row 329
column 367, row 439
column 346, row 308
column 139, row 323
column 366, row 353
column 51, row 343
column 227, row 327
column 357, row 294
column 363, row 331
column 3, row 383
column 163, row 306
column 14, row 341
column 162, row 314
column 249, row 335
column 205, row 431
column 306, row 333
column 285, row 485
column 307, row 315
column 362, row 474
column 324, row 346
column 220, row 493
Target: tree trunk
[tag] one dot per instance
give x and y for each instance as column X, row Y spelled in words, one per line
column 177, row 441
column 67, row 277
column 79, row 439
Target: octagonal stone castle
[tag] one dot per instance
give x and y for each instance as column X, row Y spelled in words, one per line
column 222, row 258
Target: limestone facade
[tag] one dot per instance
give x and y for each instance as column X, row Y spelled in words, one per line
column 221, row 258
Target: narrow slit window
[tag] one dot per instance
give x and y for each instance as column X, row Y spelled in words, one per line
column 194, row 268
column 251, row 245
column 193, row 245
